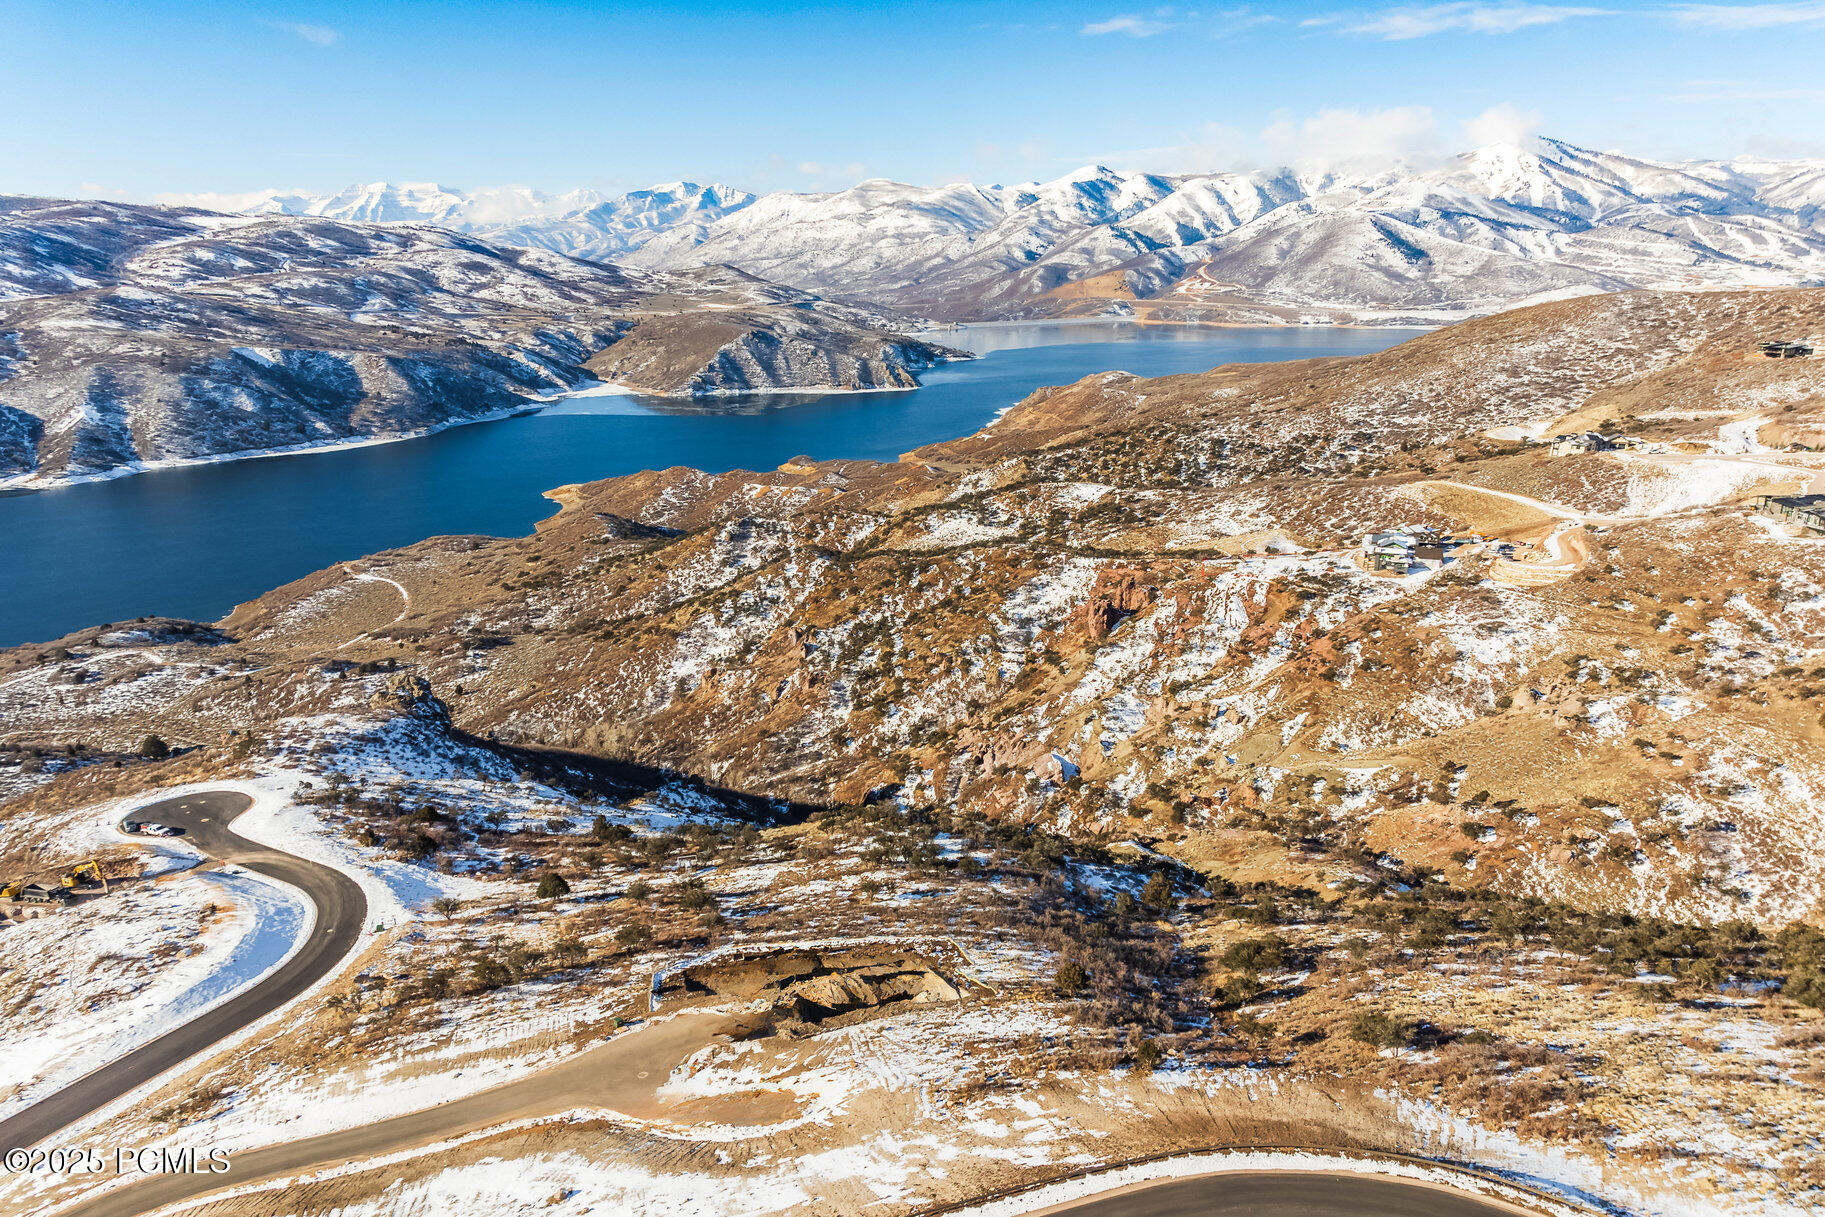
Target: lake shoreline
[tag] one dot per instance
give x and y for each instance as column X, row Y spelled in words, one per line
column 197, row 539
column 29, row 483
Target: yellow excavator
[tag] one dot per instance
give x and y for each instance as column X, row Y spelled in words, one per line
column 73, row 876
column 11, row 891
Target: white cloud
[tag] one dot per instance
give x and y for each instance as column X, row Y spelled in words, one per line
column 808, row 175
column 1235, row 20
column 1354, row 141
column 317, row 35
column 232, row 200
column 1213, row 147
column 1503, row 124
column 1343, row 141
column 1776, row 147
column 987, row 152
column 1747, row 16
column 1421, row 20
column 1217, row 24
column 1132, row 26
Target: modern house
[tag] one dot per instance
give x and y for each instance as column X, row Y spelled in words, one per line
column 1582, row 442
column 1807, row 510
column 1780, row 349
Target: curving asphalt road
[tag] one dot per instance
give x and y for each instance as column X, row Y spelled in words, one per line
column 1287, row 1194
column 341, row 909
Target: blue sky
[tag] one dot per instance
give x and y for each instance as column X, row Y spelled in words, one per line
column 138, row 100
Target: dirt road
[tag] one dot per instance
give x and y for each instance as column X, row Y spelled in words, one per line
column 622, row 1075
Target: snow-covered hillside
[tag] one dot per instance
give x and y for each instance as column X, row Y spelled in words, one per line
column 137, row 336
column 1499, row 225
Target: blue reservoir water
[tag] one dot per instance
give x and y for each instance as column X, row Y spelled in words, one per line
column 193, row 542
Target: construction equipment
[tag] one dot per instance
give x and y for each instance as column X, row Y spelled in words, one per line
column 73, row 876
column 11, row 891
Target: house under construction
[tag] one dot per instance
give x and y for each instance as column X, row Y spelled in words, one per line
column 1398, row 549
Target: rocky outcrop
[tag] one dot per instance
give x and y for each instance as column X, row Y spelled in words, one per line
column 20, row 436
column 410, row 693
column 740, row 351
column 1115, row 596
column 814, row 986
column 990, row 752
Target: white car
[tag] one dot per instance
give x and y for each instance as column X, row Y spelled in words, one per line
column 161, row 830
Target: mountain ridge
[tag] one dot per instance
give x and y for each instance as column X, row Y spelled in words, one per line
column 1547, row 216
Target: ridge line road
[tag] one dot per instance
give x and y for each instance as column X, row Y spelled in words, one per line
column 341, row 909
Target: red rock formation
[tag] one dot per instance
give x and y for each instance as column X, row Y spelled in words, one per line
column 1116, row 594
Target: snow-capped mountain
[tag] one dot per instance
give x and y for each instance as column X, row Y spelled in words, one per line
column 612, row 227
column 429, row 203
column 1494, row 227
column 583, row 223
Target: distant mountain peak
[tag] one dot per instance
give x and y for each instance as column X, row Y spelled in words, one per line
column 1498, row 223
column 1088, row 173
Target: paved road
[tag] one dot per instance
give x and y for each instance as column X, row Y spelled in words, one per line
column 341, row 909
column 1287, row 1194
